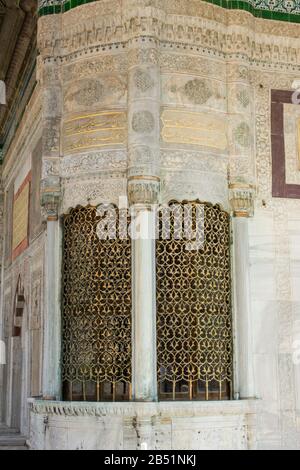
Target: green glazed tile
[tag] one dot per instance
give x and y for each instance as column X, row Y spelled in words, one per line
column 228, row 4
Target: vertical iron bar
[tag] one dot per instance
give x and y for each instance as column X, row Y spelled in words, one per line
column 98, row 390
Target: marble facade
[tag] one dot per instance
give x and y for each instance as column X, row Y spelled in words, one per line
column 155, row 101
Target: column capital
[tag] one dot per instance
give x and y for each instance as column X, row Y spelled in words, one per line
column 143, row 190
column 241, row 197
column 50, row 197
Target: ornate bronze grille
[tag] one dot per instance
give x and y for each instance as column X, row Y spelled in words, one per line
column 96, row 310
column 194, row 306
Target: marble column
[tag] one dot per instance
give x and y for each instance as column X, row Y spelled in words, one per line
column 144, row 386
column 143, row 193
column 241, row 199
column 51, row 384
column 49, row 76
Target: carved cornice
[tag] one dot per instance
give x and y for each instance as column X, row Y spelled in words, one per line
column 76, row 409
column 92, row 190
column 235, row 37
column 94, row 162
column 275, row 10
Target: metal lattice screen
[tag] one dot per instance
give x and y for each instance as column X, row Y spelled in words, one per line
column 96, row 304
column 194, row 330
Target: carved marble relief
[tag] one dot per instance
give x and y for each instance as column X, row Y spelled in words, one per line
column 192, row 91
column 192, row 64
column 242, row 135
column 197, row 30
column 50, row 167
column 143, row 80
column 7, row 308
column 91, row 93
column 36, row 297
column 35, row 325
column 52, row 102
column 51, row 137
column 193, row 160
column 239, row 97
column 243, row 98
column 89, row 68
column 111, row 161
column 142, row 122
column 91, row 190
column 203, row 185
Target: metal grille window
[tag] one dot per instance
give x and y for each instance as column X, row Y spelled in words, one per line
column 194, row 343
column 96, row 310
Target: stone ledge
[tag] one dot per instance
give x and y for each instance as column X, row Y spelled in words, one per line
column 178, row 409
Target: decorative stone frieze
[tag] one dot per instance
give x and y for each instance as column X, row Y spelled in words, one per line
column 60, row 408
column 196, row 28
column 92, row 190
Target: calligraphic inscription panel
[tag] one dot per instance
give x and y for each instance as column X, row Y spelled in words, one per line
column 199, row 129
column 104, row 129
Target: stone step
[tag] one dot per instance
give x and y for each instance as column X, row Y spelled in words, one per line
column 4, row 430
column 13, row 448
column 12, row 441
